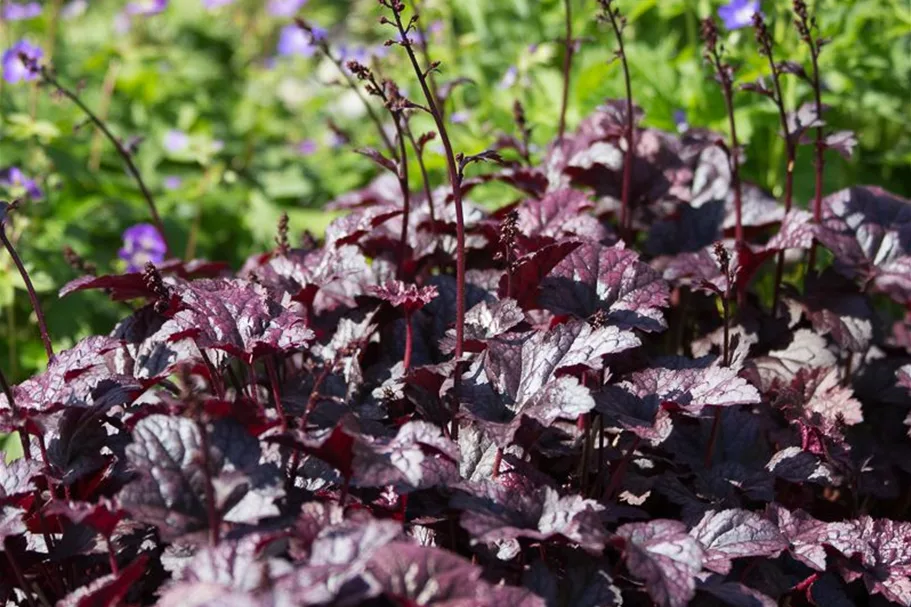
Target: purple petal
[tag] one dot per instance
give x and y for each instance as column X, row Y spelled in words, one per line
column 146, row 7
column 176, row 141
column 738, row 13
column 285, row 8
column 295, row 41
column 14, row 68
column 20, row 12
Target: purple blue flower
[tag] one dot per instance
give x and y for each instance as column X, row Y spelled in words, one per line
column 285, row 8
column 460, row 117
column 14, row 11
column 307, row 147
column 295, row 41
column 74, row 9
column 172, row 182
column 176, row 141
column 738, row 13
column 15, row 182
column 680, row 121
column 141, row 244
column 214, row 4
column 14, row 68
column 146, row 7
column 509, row 78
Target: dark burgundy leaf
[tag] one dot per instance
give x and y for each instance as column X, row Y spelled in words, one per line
column 381, row 160
column 904, row 377
column 665, row 557
column 528, row 271
column 798, row 466
column 103, row 516
column 416, row 575
column 172, row 472
column 133, row 285
column 842, row 142
column 418, row 457
column 495, row 512
column 107, row 590
column 409, row 297
column 595, row 277
column 818, row 394
column 71, row 376
column 805, row 118
column 730, row 534
column 16, row 479
column 869, row 231
column 792, row 67
column 806, row 350
column 558, row 214
column 238, row 317
column 484, row 322
column 692, row 385
column 357, row 224
column 837, row 309
column 734, row 594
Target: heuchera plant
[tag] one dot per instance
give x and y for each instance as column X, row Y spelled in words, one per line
column 576, row 400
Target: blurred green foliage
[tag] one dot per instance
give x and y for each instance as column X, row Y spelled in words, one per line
column 214, row 74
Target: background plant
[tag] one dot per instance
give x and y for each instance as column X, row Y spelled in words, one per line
column 260, row 138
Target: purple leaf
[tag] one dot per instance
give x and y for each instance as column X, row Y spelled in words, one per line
column 133, row 286
column 904, row 377
column 528, row 271
column 869, row 232
column 71, row 376
column 109, row 589
column 842, row 142
column 557, row 215
column 352, row 227
column 692, row 385
column 483, row 322
column 418, row 457
column 238, row 317
column 409, row 297
column 595, row 277
column 730, row 534
column 416, row 575
column 665, row 557
column 172, row 472
column 806, row 350
column 16, row 479
column 381, row 160
column 818, row 394
column 494, row 512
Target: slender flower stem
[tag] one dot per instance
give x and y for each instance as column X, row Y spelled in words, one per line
column 425, row 52
column 276, row 392
column 409, row 341
column 723, row 72
column 352, row 84
column 402, row 174
column 112, row 555
column 568, row 50
column 616, row 478
column 17, row 571
column 805, row 27
column 48, row 78
column 30, row 288
column 764, row 39
column 214, row 523
column 452, row 167
column 617, row 23
column 419, row 153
